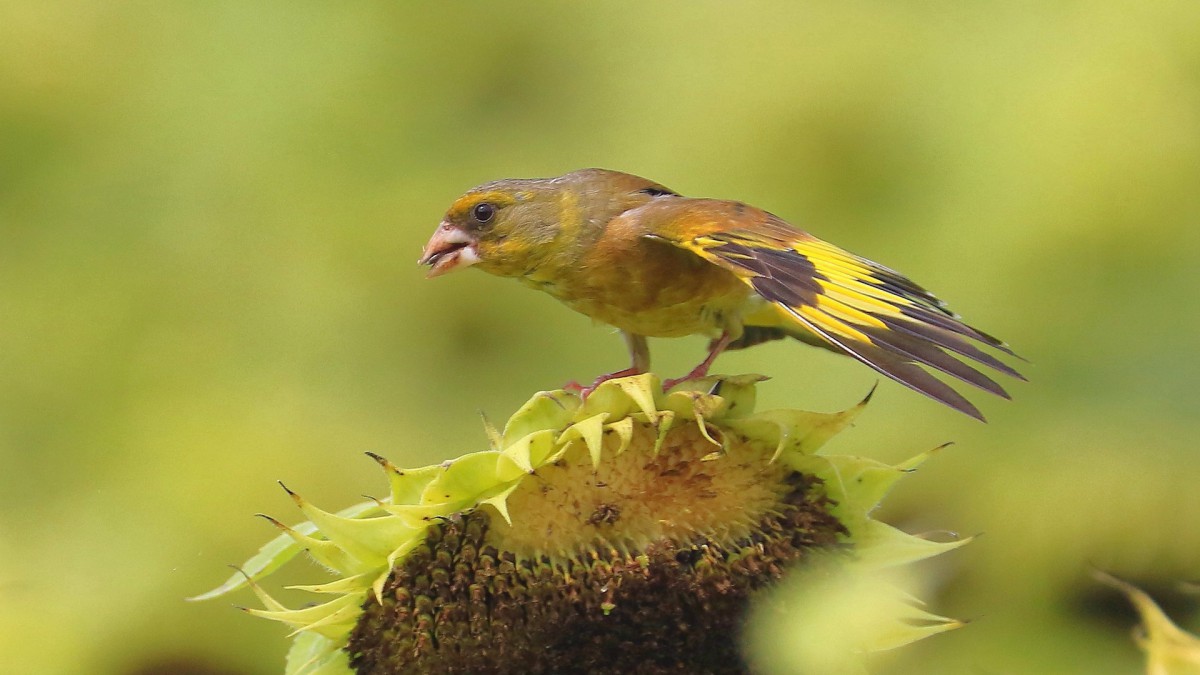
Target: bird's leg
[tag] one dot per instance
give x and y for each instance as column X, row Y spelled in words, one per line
column 714, row 350
column 639, row 352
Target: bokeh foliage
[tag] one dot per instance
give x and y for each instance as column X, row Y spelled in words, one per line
column 210, row 212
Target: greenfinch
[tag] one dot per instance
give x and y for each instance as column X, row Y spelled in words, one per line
column 636, row 255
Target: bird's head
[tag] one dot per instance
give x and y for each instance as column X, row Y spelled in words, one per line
column 506, row 227
column 494, row 225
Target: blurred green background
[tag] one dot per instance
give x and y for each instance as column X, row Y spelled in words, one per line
column 210, row 215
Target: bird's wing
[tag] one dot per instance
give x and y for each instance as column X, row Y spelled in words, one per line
column 861, row 308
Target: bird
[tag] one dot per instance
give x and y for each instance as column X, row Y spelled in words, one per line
column 631, row 253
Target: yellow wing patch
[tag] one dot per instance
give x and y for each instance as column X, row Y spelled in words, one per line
column 861, row 308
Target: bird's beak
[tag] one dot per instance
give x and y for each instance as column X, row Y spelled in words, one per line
column 449, row 248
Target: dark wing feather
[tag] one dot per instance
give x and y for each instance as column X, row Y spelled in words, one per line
column 861, row 308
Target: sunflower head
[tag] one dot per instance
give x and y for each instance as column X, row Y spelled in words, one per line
column 626, row 533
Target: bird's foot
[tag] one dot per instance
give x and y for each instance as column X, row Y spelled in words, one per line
column 584, row 392
column 714, row 349
column 697, row 373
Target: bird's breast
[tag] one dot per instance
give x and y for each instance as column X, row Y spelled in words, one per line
column 648, row 288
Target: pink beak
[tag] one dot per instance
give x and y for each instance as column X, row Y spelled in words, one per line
column 449, row 248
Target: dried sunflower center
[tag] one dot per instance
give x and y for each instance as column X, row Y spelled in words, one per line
column 631, row 566
column 638, row 497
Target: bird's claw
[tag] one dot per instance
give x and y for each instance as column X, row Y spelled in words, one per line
column 668, row 385
column 697, row 373
column 585, row 392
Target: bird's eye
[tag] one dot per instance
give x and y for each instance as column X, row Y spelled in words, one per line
column 483, row 212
